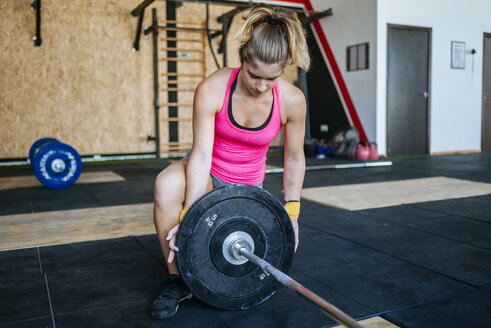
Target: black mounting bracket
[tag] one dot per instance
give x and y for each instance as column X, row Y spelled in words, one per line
column 36, row 5
column 150, row 138
column 139, row 11
column 226, row 21
column 316, row 16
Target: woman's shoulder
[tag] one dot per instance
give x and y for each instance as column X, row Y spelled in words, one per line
column 218, row 79
column 211, row 90
column 290, row 94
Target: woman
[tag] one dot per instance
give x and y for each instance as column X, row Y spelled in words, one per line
column 231, row 134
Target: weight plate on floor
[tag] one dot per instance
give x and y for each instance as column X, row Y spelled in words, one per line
column 37, row 146
column 344, row 142
column 57, row 165
column 235, row 210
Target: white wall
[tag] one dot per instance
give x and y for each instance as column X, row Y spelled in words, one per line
column 455, row 95
column 354, row 22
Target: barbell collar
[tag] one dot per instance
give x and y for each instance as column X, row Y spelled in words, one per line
column 289, row 282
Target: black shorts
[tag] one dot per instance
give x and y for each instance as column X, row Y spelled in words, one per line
column 217, row 182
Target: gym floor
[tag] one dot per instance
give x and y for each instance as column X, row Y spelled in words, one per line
column 407, row 245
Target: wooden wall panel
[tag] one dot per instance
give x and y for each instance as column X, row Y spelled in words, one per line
column 84, row 86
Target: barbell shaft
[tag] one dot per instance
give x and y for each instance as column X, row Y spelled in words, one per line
column 286, row 280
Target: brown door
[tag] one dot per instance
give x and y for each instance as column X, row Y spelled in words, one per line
column 407, row 90
column 486, row 108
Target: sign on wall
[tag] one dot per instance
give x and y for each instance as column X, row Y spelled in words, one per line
column 458, row 55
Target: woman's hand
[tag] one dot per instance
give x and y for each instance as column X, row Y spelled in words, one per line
column 172, row 238
column 295, row 229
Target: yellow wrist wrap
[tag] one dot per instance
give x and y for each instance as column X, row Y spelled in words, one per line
column 293, row 209
column 183, row 212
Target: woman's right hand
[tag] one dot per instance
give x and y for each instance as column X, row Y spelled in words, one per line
column 172, row 238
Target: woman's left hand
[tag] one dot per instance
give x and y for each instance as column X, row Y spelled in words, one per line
column 295, row 229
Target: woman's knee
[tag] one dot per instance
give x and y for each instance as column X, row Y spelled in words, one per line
column 170, row 183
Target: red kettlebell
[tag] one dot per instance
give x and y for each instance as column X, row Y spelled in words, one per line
column 374, row 156
column 362, row 151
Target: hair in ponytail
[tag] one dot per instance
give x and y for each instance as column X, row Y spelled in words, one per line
column 273, row 35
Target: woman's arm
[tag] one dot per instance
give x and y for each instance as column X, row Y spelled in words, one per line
column 294, row 167
column 205, row 107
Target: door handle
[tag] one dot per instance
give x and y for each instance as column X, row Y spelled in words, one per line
column 425, row 94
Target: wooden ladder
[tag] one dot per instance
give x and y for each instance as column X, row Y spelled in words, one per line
column 182, row 62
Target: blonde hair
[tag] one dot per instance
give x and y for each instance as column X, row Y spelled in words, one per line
column 273, row 35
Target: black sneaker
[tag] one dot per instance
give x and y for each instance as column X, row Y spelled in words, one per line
column 166, row 305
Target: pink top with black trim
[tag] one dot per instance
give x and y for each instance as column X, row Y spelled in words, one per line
column 239, row 153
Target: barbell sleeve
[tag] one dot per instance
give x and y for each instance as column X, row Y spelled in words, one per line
column 289, row 282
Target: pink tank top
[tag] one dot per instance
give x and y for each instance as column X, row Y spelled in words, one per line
column 239, row 153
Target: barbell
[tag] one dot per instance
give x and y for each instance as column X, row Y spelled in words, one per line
column 235, row 243
column 56, row 165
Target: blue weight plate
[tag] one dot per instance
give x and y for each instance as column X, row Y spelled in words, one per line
column 37, row 146
column 57, row 165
